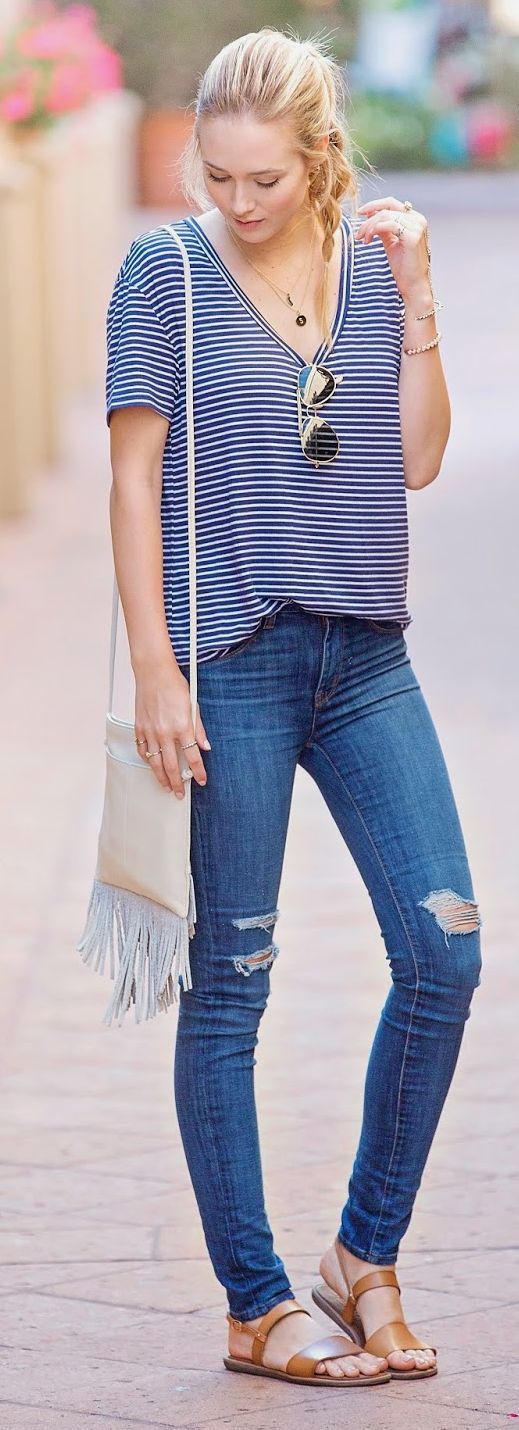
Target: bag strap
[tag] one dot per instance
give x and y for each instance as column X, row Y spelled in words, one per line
column 191, row 526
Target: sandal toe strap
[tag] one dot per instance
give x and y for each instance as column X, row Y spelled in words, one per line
column 330, row 1348
column 395, row 1336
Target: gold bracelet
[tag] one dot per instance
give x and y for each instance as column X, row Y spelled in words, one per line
column 419, row 317
column 425, row 346
column 431, row 312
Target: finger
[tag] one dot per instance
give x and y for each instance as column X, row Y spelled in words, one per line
column 373, row 205
column 192, row 755
column 156, row 764
column 141, row 743
column 412, row 222
column 411, row 227
column 200, row 731
column 387, row 226
column 170, row 766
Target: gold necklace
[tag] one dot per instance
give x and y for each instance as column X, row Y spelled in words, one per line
column 282, row 293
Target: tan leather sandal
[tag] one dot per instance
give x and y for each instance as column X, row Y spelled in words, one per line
column 301, row 1366
column 394, row 1336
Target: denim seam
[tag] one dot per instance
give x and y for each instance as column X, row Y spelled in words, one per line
column 327, row 632
column 204, row 1088
column 410, row 942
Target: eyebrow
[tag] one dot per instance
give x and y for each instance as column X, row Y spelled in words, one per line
column 256, row 173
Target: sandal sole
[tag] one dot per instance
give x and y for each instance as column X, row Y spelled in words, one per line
column 328, row 1301
column 350, row 1382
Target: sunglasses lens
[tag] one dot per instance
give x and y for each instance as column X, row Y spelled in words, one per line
column 316, row 384
column 320, row 442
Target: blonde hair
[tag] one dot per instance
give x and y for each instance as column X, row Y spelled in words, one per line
column 276, row 76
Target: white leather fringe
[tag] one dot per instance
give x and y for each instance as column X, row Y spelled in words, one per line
column 147, row 945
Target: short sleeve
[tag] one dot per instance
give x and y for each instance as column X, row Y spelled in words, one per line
column 142, row 365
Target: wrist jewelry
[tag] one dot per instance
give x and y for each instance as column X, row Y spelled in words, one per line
column 424, row 347
column 419, row 317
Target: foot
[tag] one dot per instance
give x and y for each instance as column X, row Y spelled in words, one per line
column 292, row 1334
column 341, row 1269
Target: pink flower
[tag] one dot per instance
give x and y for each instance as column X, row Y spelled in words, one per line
column 19, row 99
column 44, row 42
column 16, row 105
column 56, row 61
column 67, row 89
column 104, row 69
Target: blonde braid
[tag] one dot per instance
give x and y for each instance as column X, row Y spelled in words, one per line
column 328, row 183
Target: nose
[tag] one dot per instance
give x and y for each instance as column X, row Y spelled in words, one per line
column 242, row 206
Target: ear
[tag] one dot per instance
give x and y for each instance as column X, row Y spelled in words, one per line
column 322, row 144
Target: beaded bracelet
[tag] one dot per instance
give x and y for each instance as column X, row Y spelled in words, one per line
column 419, row 317
column 424, row 347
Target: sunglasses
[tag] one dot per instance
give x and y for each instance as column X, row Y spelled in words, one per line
column 319, row 442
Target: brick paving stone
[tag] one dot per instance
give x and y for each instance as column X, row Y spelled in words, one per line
column 110, row 1314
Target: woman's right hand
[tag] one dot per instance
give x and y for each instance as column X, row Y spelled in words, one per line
column 163, row 718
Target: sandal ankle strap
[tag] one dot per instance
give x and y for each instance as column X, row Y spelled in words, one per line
column 259, row 1333
column 386, row 1277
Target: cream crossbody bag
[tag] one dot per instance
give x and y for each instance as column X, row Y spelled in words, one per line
column 142, row 912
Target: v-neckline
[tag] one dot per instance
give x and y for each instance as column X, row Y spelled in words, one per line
column 345, row 282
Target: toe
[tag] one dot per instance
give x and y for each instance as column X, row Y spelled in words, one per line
column 425, row 1358
column 334, row 1368
column 412, row 1360
column 402, row 1360
column 371, row 1365
column 338, row 1368
column 352, row 1366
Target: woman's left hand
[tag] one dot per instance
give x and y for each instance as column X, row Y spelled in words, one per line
column 408, row 254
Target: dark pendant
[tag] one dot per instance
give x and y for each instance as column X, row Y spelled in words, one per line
column 300, row 320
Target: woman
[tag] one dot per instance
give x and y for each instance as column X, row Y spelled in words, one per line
column 319, row 398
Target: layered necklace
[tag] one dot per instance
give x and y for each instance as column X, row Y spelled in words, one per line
column 283, row 293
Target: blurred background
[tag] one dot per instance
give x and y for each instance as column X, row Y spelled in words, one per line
column 98, row 1295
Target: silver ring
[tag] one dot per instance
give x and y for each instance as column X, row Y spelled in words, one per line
column 140, row 742
column 407, row 204
column 188, row 747
column 151, row 753
column 400, row 228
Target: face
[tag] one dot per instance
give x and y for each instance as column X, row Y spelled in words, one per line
column 254, row 174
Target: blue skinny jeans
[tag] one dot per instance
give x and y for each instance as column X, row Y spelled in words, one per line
column 338, row 696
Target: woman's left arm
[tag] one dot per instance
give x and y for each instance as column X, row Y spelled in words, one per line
column 424, row 401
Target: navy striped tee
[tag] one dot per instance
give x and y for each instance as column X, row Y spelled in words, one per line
column 270, row 526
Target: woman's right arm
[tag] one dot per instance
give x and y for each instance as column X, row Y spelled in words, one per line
column 162, row 698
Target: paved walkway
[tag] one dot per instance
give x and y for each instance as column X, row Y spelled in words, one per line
column 110, row 1313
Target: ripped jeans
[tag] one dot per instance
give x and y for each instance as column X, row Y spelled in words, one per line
column 338, row 696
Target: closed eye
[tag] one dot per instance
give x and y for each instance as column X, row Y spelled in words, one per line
column 218, row 179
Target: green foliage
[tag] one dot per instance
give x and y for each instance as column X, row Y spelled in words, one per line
column 392, row 132
column 166, row 44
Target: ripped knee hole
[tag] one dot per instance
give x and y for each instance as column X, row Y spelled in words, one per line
column 453, row 914
column 262, row 958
